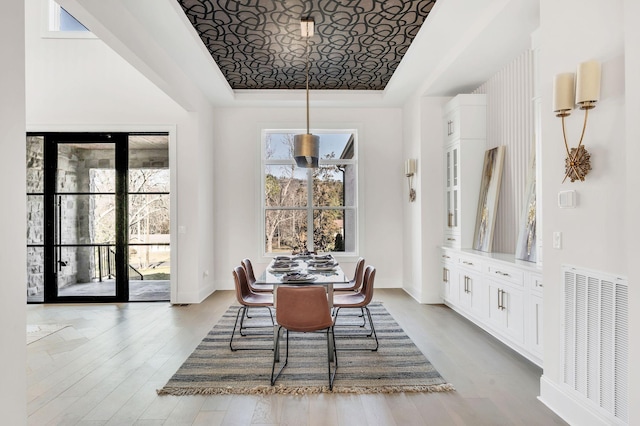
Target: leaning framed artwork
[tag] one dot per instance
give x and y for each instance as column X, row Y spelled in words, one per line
column 526, row 245
column 488, row 199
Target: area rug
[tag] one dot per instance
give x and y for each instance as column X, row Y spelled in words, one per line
column 397, row 366
column 37, row 332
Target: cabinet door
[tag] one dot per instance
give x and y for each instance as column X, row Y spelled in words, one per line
column 534, row 329
column 445, row 283
column 452, row 196
column 496, row 313
column 452, row 125
column 450, row 283
column 470, row 288
column 506, row 310
column 513, row 305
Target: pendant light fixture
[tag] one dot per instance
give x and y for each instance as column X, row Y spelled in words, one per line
column 306, row 147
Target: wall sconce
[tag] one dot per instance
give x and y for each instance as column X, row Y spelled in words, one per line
column 586, row 92
column 409, row 171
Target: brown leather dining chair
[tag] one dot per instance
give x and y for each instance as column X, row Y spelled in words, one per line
column 359, row 299
column 251, row 278
column 247, row 299
column 355, row 283
column 304, row 309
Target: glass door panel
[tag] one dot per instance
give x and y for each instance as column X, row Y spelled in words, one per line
column 85, row 220
column 149, row 221
column 35, row 219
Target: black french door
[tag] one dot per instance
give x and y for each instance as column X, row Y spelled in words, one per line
column 85, row 217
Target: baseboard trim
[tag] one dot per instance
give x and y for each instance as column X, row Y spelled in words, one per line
column 572, row 408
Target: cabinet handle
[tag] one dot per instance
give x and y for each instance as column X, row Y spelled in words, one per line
column 445, row 275
column 465, row 284
column 502, row 307
column 451, row 239
column 446, row 257
column 450, row 220
column 467, row 263
column 504, row 274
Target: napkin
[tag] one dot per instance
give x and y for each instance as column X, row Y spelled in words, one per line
column 323, row 257
column 296, row 276
column 281, row 264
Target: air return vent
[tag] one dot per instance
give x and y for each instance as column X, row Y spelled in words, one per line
column 596, row 346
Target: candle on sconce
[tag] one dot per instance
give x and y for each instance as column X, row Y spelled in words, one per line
column 588, row 82
column 410, row 167
column 563, row 93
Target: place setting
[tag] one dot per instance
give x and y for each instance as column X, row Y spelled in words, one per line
column 298, row 277
column 284, row 264
column 322, row 263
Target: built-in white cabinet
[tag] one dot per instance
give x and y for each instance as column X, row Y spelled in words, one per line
column 464, row 147
column 500, row 294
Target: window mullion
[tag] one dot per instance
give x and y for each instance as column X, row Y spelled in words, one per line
column 310, row 242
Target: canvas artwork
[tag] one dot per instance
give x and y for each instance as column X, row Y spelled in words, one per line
column 488, row 200
column 526, row 245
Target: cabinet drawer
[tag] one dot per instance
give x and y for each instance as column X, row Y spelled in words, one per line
column 511, row 275
column 470, row 263
column 452, row 239
column 447, row 257
column 535, row 283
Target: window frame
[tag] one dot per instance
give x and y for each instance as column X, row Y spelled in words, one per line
column 51, row 23
column 310, row 208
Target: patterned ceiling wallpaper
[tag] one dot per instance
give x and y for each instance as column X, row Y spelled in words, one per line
column 357, row 45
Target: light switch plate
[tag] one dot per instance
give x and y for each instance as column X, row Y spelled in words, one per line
column 567, row 199
column 557, row 240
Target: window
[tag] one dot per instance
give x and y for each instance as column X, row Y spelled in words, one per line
column 313, row 209
column 61, row 24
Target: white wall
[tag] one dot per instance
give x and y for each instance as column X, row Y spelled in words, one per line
column 13, row 259
column 83, row 85
column 423, row 140
column 412, row 211
column 237, row 184
column 594, row 235
column 632, row 152
column 510, row 123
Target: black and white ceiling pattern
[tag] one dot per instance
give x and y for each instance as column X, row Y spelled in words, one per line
column 357, row 45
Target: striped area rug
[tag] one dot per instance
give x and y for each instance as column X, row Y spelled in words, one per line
column 397, row 366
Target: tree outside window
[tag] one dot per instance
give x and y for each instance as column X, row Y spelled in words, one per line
column 309, row 209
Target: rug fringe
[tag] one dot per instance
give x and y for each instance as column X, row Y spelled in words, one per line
column 302, row 390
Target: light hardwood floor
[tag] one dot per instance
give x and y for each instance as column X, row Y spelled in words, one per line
column 105, row 368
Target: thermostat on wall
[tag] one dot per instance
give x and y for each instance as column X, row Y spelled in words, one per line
column 567, row 199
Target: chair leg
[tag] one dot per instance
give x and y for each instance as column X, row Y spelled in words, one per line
column 240, row 316
column 364, row 320
column 246, row 315
column 373, row 329
column 241, row 309
column 275, row 351
column 330, row 348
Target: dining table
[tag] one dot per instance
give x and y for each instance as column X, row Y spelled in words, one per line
column 318, row 270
